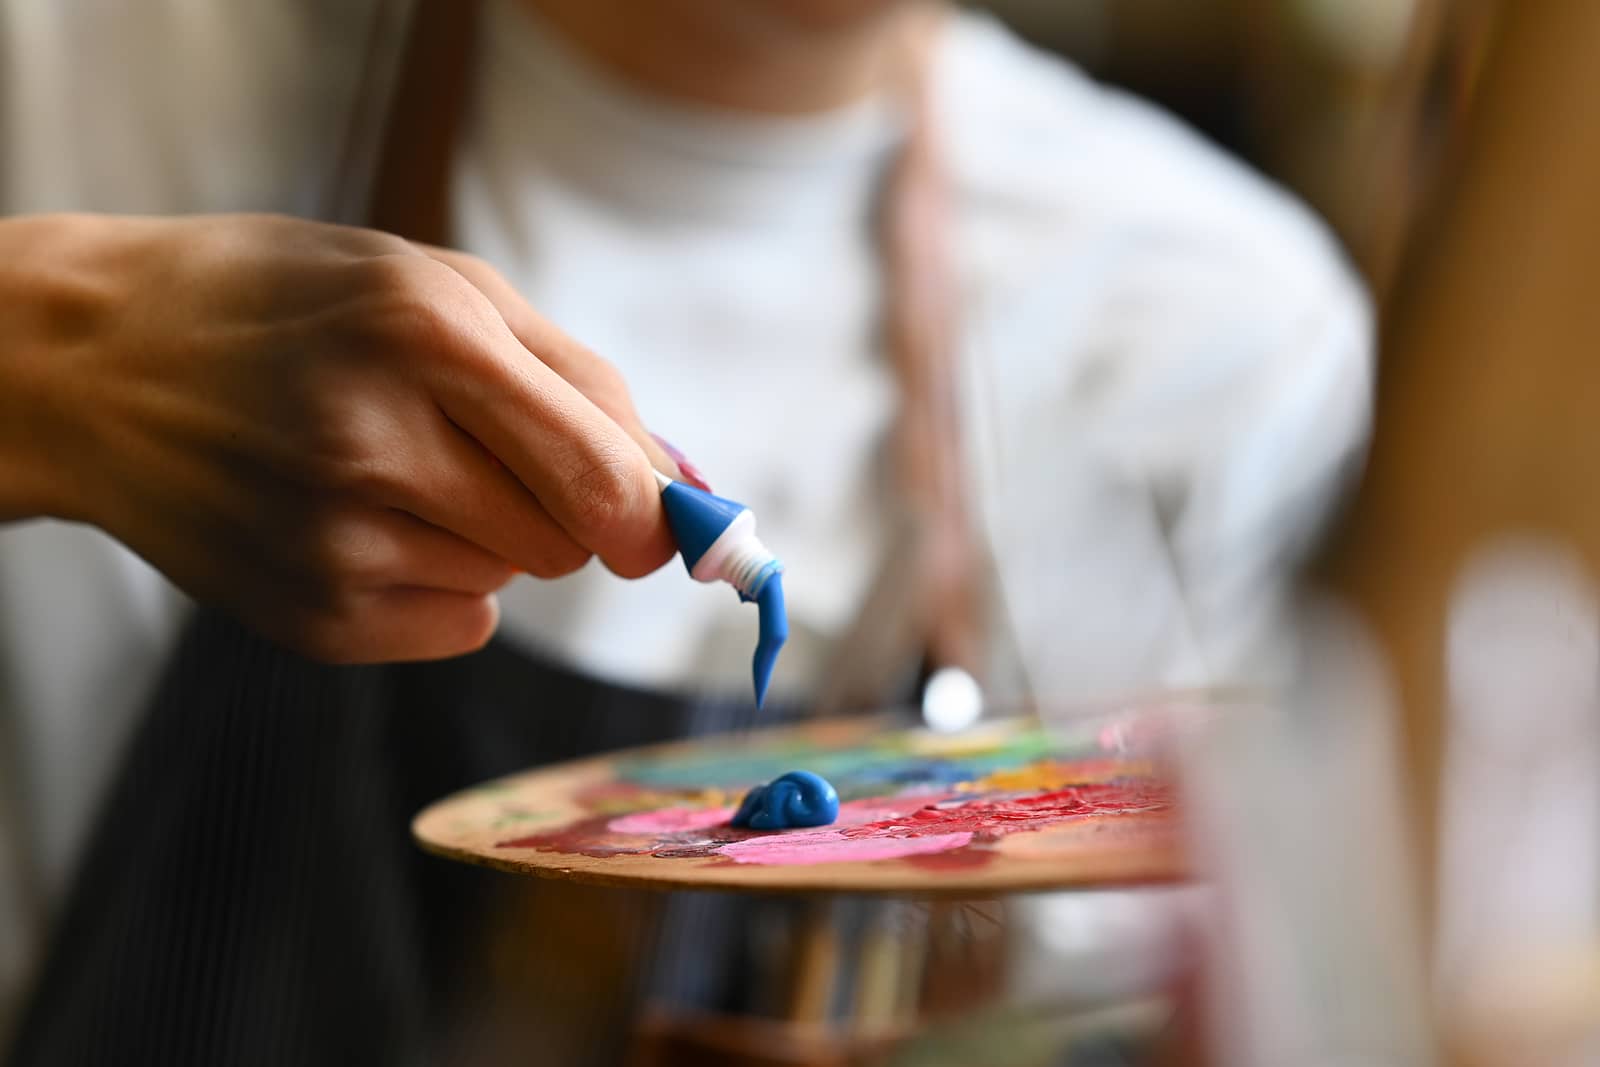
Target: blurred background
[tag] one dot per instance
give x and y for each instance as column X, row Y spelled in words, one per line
column 1361, row 107
column 1452, row 618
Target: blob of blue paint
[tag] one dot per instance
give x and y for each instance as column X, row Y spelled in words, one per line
column 791, row 800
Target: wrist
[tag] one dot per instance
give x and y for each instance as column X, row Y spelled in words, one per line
column 59, row 297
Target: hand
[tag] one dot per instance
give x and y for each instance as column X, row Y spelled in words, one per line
column 347, row 440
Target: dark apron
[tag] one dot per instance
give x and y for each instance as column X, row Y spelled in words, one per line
column 251, row 893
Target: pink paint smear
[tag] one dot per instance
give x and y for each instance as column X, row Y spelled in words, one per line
column 680, row 819
column 831, row 846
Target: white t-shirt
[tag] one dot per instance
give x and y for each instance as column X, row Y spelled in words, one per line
column 1166, row 364
column 652, row 232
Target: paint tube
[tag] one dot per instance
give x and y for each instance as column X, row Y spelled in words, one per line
column 717, row 539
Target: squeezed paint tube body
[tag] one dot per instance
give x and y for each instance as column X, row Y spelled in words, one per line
column 717, row 539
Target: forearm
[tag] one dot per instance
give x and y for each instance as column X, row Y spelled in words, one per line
column 56, row 298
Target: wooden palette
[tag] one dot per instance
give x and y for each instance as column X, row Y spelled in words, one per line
column 1008, row 807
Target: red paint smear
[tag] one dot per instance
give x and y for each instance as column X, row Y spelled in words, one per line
column 1001, row 815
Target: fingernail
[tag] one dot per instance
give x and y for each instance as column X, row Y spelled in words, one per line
column 690, row 472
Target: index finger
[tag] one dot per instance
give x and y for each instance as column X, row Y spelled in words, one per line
column 585, row 470
column 576, row 363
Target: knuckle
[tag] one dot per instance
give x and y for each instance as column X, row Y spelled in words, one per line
column 607, row 379
column 605, row 386
column 409, row 303
column 389, row 272
column 336, row 458
column 470, row 265
column 343, row 428
column 365, row 241
column 600, row 493
column 336, row 551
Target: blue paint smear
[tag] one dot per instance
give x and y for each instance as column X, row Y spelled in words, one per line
column 858, row 769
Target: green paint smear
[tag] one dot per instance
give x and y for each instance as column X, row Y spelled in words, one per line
column 514, row 818
column 862, row 769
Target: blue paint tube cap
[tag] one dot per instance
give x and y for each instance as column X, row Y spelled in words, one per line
column 697, row 519
column 717, row 539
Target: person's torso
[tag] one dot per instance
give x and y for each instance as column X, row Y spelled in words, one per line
column 1117, row 281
